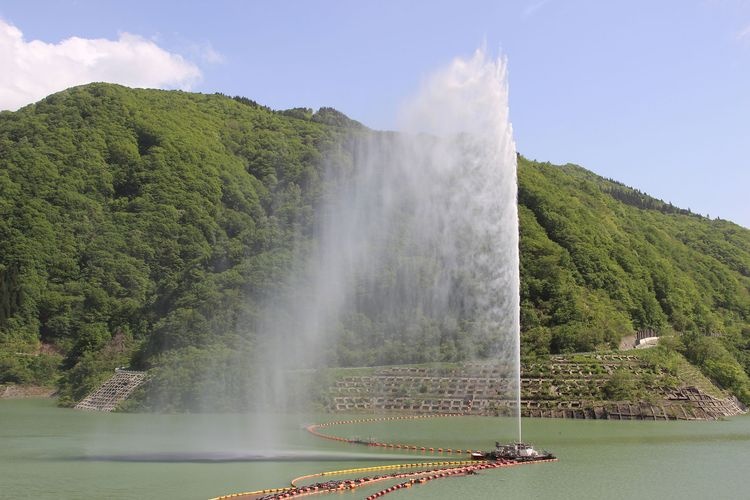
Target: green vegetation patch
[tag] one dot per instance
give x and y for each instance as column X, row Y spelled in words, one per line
column 149, row 229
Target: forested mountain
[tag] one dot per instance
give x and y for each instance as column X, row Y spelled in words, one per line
column 147, row 228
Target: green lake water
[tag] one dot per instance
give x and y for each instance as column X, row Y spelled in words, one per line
column 49, row 452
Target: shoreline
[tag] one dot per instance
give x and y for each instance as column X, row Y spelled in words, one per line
column 13, row 391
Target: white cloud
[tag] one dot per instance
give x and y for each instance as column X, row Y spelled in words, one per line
column 744, row 34
column 32, row 70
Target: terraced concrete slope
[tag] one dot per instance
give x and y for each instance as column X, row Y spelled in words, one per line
column 597, row 386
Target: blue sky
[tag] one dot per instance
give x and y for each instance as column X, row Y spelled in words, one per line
column 655, row 94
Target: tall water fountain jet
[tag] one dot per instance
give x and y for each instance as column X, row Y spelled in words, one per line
column 415, row 255
column 466, row 104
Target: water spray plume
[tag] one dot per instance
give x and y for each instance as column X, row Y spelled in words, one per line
column 470, row 97
column 416, row 249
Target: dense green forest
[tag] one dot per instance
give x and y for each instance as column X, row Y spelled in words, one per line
column 148, row 228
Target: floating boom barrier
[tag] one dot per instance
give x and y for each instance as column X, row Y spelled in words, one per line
column 430, row 471
column 314, row 429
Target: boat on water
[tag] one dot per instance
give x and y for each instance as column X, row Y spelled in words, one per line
column 519, row 452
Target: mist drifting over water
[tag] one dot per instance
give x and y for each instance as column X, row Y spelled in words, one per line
column 415, row 253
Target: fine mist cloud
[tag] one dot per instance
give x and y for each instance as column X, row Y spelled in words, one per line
column 466, row 96
column 34, row 69
column 414, row 256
